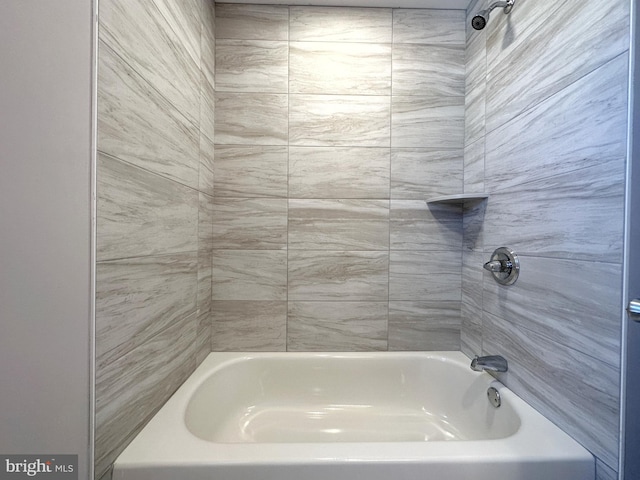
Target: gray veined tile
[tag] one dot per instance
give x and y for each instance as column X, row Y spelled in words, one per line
column 331, row 24
column 427, row 121
column 424, row 325
column 338, row 224
column 249, row 275
column 250, row 171
column 208, row 41
column 338, row 172
column 339, row 120
column 251, row 119
column 250, row 223
column 206, row 179
column 474, row 167
column 207, row 107
column 428, row 70
column 138, row 298
column 326, row 275
column 252, row 22
column 140, row 213
column 333, row 326
column 247, row 326
column 428, row 26
column 141, row 35
column 472, row 302
column 206, row 217
column 203, row 320
column 252, row 66
column 605, row 472
column 424, row 276
column 184, row 19
column 475, row 86
column 416, row 226
column 140, row 126
column 420, row 173
column 340, row 68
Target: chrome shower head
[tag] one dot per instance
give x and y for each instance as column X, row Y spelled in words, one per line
column 480, row 20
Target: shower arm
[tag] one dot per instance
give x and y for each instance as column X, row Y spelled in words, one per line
column 506, row 5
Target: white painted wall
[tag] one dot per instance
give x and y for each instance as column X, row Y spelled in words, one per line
column 46, row 57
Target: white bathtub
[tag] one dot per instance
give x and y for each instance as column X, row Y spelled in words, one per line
column 348, row 416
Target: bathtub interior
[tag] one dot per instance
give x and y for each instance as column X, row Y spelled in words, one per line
column 346, row 398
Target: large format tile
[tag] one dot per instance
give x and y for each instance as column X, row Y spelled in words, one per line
column 138, row 298
column 572, row 38
column 252, row 66
column 331, row 24
column 207, row 107
column 427, row 121
column 140, row 213
column 206, row 178
column 338, row 172
column 331, row 326
column 428, row 70
column 424, row 325
column 250, row 223
column 140, row 126
column 248, row 171
column 205, row 260
column 249, row 275
column 184, row 19
column 584, row 125
column 581, row 307
column 424, row 276
column 340, row 68
column 141, row 35
column 208, row 41
column 251, row 119
column 472, row 302
column 420, row 173
column 325, row 275
column 433, row 27
column 475, row 81
column 474, row 167
column 338, row 224
column 339, row 120
column 252, row 22
column 561, row 384
column 148, row 375
column 247, row 326
column 416, row 226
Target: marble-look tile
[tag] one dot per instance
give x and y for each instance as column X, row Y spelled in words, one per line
column 138, row 298
column 470, row 331
column 205, row 260
column 332, row 326
column 140, row 126
column 140, row 213
column 416, row 226
column 246, row 171
column 339, row 120
column 475, row 83
column 331, row 24
column 473, row 226
column 250, row 223
column 206, row 178
column 252, row 22
column 338, row 172
column 338, row 224
column 249, row 275
column 251, row 119
column 437, row 70
column 208, row 41
column 249, row 326
column 340, row 68
column 420, row 173
column 428, row 26
column 207, row 108
column 584, row 125
column 145, row 377
column 472, row 304
column 143, row 38
column 326, row 276
column 581, row 307
column 577, row 215
column 427, row 122
column 605, row 472
column 572, row 39
column 184, row 19
column 424, row 325
column 252, row 66
column 474, row 169
column 424, row 276
column 560, row 383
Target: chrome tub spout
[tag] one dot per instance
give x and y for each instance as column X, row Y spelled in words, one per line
column 491, row 363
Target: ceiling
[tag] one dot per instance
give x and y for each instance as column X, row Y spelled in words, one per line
column 440, row 4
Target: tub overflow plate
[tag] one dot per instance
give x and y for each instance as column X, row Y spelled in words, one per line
column 494, row 397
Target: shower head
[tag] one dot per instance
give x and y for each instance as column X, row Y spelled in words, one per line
column 480, row 20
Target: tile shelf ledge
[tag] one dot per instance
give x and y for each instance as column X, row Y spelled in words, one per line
column 464, row 199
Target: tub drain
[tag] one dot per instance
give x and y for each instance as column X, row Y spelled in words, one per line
column 494, row 397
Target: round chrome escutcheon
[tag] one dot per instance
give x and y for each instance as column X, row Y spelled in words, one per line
column 494, row 397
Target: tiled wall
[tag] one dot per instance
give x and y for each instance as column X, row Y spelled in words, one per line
column 546, row 138
column 333, row 125
column 155, row 184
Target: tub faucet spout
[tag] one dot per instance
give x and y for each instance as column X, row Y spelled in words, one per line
column 491, row 363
